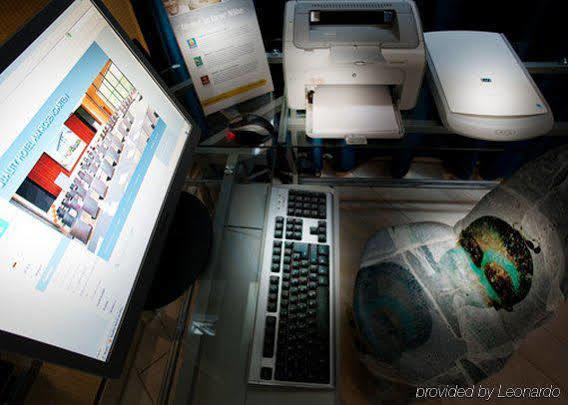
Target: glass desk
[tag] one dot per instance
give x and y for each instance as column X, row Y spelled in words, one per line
column 214, row 355
column 216, row 327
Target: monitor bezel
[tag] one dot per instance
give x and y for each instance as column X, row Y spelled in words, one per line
column 112, row 367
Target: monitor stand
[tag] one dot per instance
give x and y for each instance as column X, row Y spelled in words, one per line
column 185, row 254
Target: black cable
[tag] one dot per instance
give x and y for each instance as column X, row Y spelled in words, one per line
column 100, row 391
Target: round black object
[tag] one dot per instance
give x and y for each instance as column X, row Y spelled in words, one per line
column 186, row 252
column 249, row 138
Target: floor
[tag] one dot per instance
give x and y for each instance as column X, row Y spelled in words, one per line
column 363, row 211
column 149, row 366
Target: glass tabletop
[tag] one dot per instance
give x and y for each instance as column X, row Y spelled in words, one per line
column 215, row 351
column 423, row 131
column 213, row 363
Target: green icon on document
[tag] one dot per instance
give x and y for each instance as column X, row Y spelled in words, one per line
column 198, row 61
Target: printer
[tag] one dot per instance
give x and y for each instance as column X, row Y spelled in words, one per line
column 482, row 89
column 353, row 65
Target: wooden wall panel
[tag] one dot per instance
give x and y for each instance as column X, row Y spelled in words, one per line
column 15, row 13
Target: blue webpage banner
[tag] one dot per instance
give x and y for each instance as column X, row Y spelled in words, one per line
column 19, row 159
column 3, row 227
column 125, row 205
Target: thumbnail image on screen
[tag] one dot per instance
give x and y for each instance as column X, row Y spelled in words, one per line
column 89, row 199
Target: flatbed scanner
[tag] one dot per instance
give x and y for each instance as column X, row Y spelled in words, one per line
column 482, row 89
column 353, row 65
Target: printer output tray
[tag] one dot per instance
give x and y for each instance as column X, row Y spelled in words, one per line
column 358, row 111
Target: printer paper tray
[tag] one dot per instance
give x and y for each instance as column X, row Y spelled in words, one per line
column 360, row 111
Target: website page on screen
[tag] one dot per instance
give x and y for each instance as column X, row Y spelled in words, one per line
column 88, row 149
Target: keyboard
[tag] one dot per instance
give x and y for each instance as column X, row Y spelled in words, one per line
column 293, row 343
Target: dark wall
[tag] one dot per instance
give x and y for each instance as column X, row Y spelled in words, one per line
column 536, row 29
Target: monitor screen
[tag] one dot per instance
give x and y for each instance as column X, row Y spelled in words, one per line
column 89, row 145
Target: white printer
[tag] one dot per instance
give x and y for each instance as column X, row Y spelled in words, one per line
column 482, row 89
column 353, row 65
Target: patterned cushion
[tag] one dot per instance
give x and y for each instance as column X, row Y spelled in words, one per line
column 441, row 305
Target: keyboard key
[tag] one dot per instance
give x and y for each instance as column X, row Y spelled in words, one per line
column 269, row 335
column 313, row 254
column 266, row 373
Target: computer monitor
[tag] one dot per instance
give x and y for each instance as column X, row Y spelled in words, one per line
column 93, row 154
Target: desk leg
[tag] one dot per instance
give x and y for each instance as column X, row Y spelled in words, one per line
column 191, row 345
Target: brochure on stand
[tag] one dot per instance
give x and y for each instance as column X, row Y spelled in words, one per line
column 223, row 50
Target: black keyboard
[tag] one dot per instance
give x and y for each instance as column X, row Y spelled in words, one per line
column 295, row 339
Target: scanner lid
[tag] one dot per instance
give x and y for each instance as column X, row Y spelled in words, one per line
column 480, row 74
